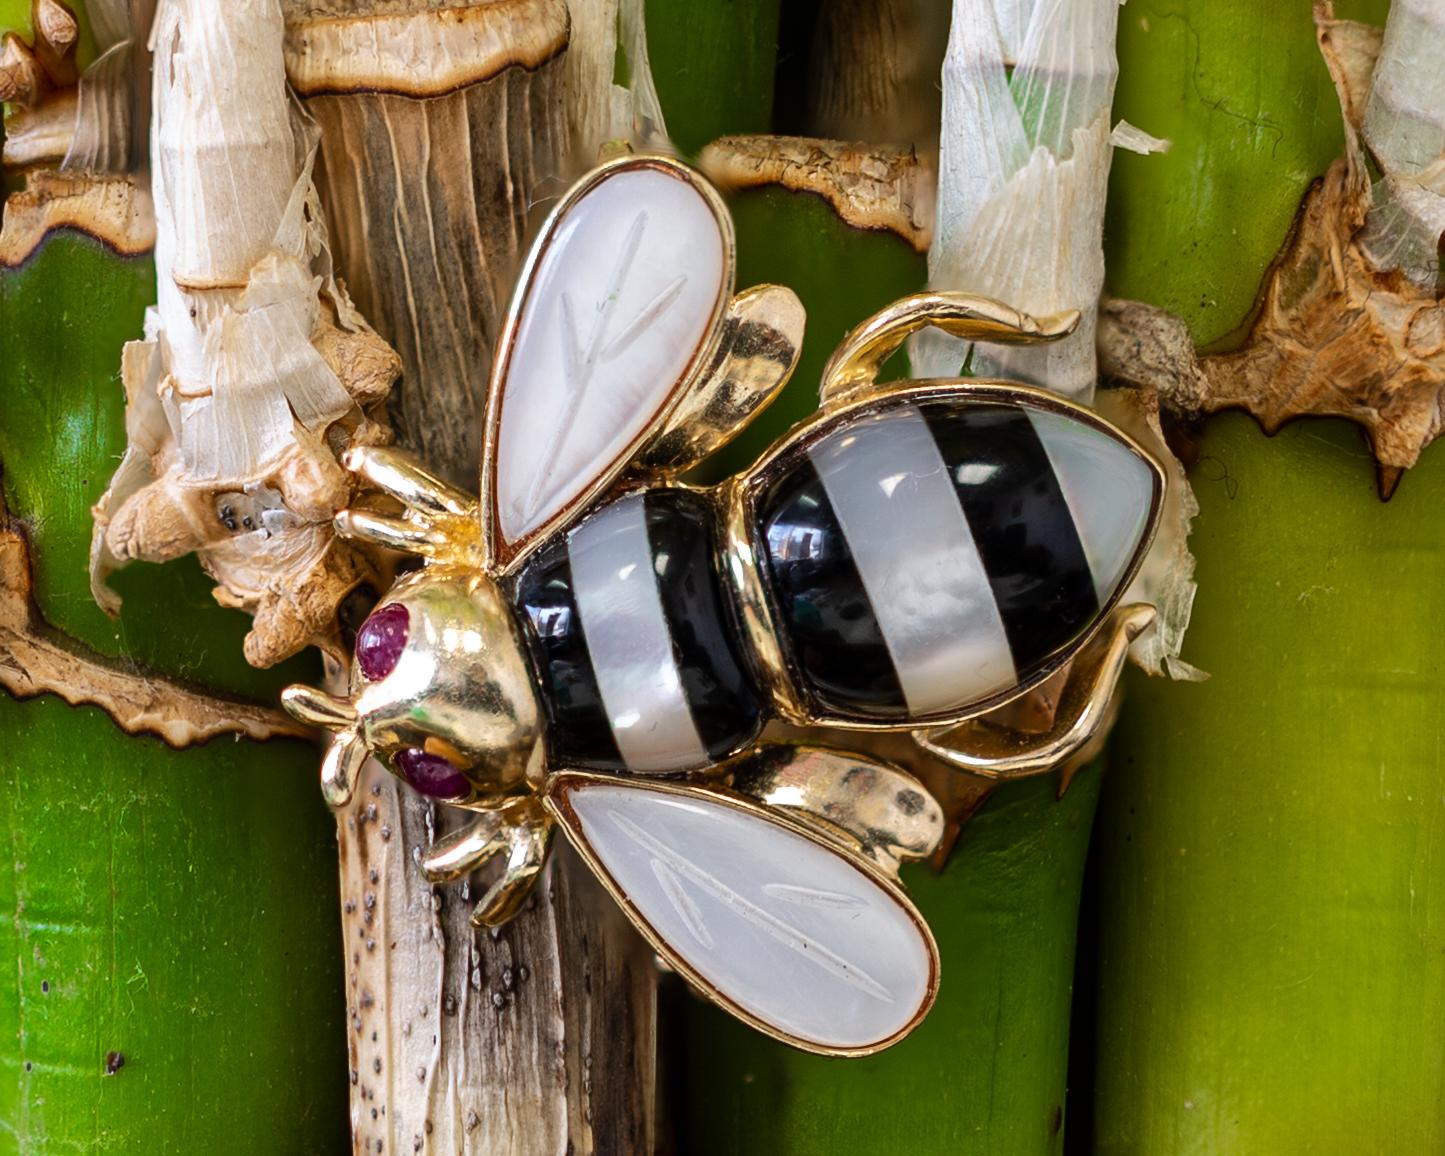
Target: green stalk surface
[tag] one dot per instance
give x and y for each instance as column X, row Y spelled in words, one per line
column 172, row 912
column 1271, row 953
column 985, row 1073
column 712, row 64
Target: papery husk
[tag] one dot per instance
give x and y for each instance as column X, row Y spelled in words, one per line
column 1023, row 170
column 256, row 371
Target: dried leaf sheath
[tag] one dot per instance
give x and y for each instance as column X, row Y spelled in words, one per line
column 1023, row 170
column 255, row 370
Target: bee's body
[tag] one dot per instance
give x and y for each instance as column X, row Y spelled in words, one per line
column 909, row 559
column 916, row 559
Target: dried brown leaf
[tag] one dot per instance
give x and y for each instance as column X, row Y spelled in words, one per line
column 36, row 659
column 1332, row 333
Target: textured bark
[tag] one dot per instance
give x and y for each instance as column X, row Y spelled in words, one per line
column 535, row 1038
column 874, row 68
column 428, row 200
column 538, row 1037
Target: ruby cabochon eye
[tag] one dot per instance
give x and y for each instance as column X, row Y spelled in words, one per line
column 381, row 639
column 432, row 775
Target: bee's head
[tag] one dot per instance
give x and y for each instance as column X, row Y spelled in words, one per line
column 440, row 690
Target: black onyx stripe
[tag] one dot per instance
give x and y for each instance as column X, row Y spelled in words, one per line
column 579, row 734
column 701, row 621
column 1021, row 525
column 826, row 623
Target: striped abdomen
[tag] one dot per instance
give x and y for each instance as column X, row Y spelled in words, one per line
column 930, row 555
column 632, row 635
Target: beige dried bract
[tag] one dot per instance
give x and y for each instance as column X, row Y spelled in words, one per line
column 869, row 186
column 255, row 372
column 426, row 52
column 1166, row 579
column 35, row 659
column 113, row 209
column 38, row 83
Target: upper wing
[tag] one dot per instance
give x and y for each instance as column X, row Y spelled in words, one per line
column 617, row 309
column 785, row 931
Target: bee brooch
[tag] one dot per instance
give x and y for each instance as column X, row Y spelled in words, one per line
column 595, row 645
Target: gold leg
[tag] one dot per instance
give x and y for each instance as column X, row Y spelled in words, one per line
column 403, row 477
column 466, row 849
column 340, row 768
column 392, row 533
column 984, row 747
column 316, row 708
column 521, row 830
column 528, row 855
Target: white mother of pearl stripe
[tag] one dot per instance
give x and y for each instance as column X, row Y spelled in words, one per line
column 1107, row 488
column 629, row 641
column 892, row 495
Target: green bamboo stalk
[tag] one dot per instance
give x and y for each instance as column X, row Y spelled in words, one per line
column 1271, row 976
column 15, row 17
column 1240, row 92
column 986, row 1072
column 176, row 982
column 713, row 67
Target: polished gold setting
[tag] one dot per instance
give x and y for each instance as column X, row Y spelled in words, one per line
column 756, row 352
column 463, row 688
column 882, row 812
column 856, row 362
column 988, row 747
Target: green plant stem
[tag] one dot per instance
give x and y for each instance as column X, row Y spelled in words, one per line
column 1271, row 962
column 985, row 1073
column 1240, row 92
column 712, row 64
column 171, row 908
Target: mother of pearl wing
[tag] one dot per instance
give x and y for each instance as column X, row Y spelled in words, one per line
column 782, row 927
column 613, row 315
